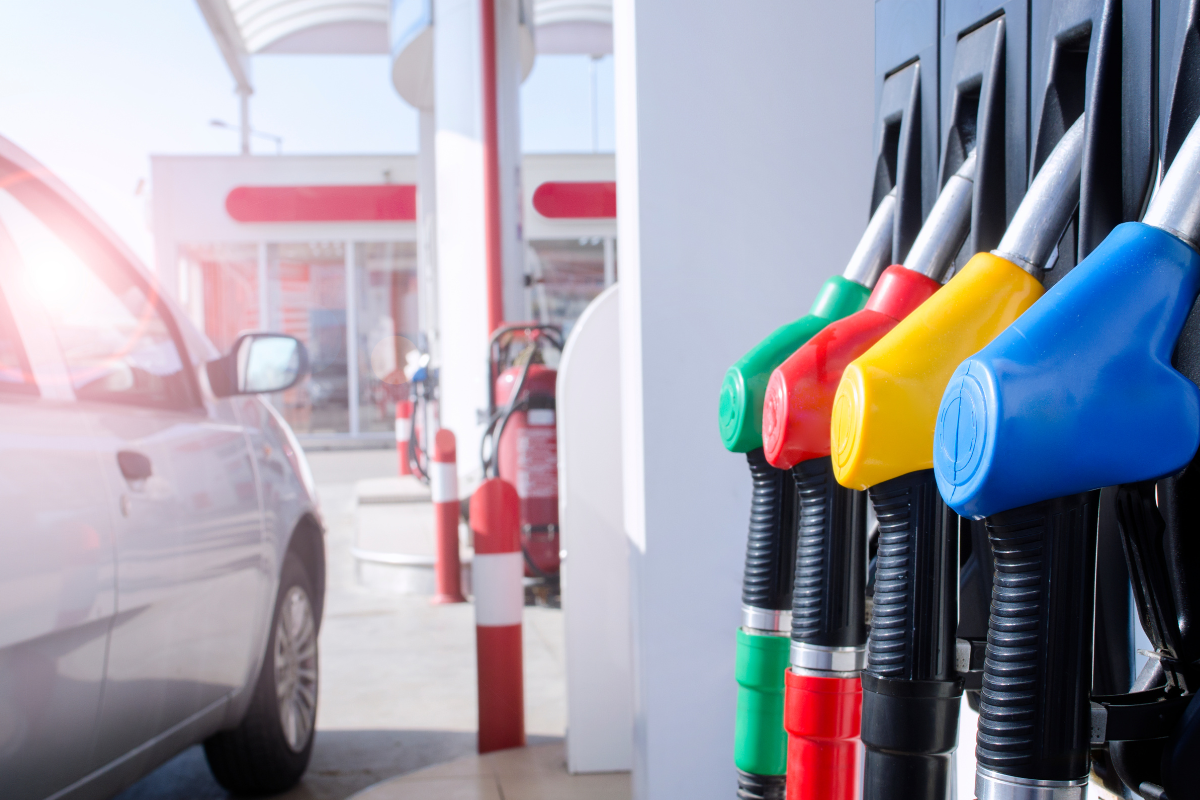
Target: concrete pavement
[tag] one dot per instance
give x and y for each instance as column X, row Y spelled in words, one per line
column 528, row 773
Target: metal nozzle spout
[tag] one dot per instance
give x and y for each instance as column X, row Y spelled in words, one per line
column 946, row 227
column 874, row 252
column 1047, row 206
column 1175, row 207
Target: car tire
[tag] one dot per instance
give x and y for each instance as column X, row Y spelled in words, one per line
column 269, row 751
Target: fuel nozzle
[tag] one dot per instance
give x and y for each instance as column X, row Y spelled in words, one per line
column 1080, row 392
column 760, row 742
column 799, row 397
column 886, row 404
column 1077, row 394
column 828, row 641
column 745, row 382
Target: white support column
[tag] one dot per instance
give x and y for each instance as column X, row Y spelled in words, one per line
column 508, row 108
column 352, row 337
column 264, row 288
column 461, row 254
column 461, row 244
column 729, row 221
column 426, row 233
column 610, row 261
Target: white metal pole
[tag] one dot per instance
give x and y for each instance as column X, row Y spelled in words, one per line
column 595, row 60
column 352, row 339
column 610, row 261
column 244, row 110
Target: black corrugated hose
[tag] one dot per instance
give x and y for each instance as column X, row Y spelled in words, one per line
column 911, row 691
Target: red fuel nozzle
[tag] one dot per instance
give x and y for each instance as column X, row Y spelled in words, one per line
column 799, row 397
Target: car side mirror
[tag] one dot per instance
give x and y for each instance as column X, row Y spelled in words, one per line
column 259, row 363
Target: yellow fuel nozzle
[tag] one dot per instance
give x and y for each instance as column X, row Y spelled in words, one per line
column 885, row 408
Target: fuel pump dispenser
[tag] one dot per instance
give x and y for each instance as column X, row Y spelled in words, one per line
column 886, row 404
column 1079, row 393
column 760, row 744
column 520, row 440
column 422, row 397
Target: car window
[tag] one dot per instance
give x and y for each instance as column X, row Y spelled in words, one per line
column 114, row 340
column 15, row 375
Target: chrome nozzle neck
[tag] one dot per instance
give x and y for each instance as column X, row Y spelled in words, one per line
column 874, row 251
column 1047, row 207
column 946, row 228
column 1175, row 207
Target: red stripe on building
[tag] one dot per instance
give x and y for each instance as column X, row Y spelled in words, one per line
column 380, row 203
column 576, row 199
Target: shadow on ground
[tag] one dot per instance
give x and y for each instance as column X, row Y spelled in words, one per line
column 343, row 763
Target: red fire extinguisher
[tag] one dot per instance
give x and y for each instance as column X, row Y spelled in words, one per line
column 520, row 443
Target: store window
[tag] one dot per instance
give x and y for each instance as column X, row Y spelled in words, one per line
column 567, row 275
column 219, row 289
column 307, row 299
column 386, row 283
column 306, row 291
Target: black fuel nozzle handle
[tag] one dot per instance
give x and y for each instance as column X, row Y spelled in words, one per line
column 770, row 546
column 1034, row 710
column 829, row 596
column 911, row 690
column 823, row 696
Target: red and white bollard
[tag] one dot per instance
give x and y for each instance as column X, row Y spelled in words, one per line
column 404, row 426
column 497, row 577
column 443, row 486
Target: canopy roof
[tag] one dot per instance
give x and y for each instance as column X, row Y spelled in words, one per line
column 243, row 28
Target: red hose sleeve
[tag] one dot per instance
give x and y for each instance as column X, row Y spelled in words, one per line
column 822, row 717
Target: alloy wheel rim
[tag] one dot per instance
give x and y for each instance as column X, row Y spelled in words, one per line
column 296, row 668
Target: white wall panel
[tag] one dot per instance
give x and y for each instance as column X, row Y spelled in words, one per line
column 743, row 175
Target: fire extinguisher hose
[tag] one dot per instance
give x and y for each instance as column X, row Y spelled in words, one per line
column 489, row 443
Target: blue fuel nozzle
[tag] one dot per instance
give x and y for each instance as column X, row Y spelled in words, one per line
column 1080, row 392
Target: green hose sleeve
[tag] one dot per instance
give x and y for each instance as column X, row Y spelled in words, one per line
column 746, row 381
column 760, row 742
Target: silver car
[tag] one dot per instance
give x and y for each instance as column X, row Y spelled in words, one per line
column 162, row 564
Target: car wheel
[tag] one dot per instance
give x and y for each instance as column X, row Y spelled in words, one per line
column 268, row 753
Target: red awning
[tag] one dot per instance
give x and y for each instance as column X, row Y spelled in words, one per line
column 576, row 199
column 378, row 203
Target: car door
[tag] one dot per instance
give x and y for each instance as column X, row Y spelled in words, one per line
column 57, row 577
column 192, row 572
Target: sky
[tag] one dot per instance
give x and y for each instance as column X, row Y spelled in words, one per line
column 92, row 89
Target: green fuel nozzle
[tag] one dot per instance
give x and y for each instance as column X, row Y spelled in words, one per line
column 745, row 383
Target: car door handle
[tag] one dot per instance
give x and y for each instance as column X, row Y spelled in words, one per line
column 134, row 466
